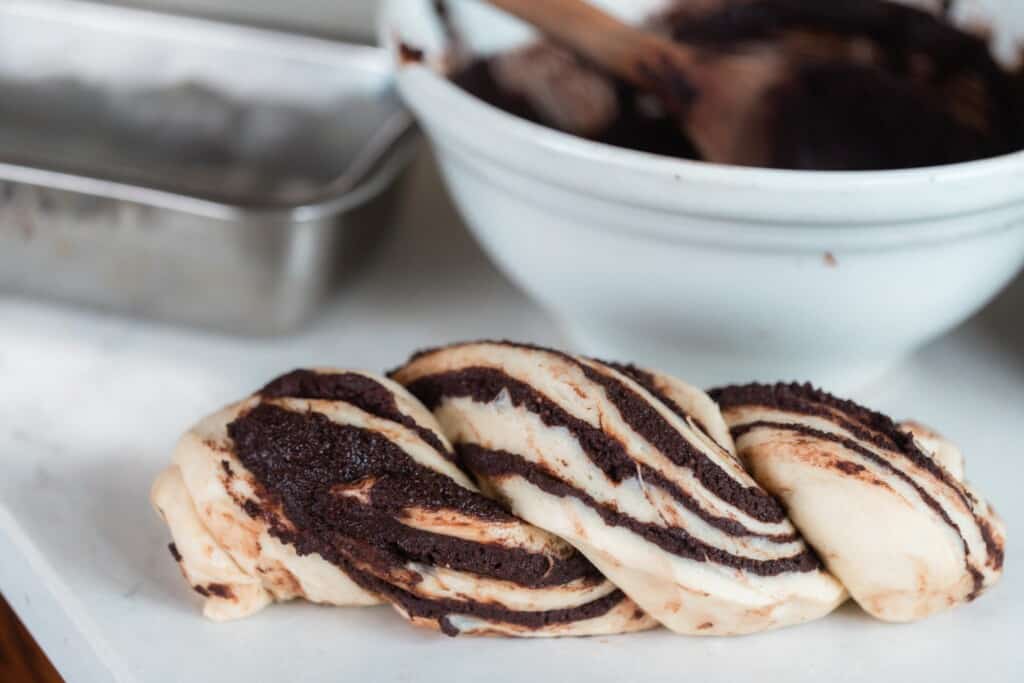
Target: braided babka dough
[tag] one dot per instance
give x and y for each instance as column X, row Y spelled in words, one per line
column 884, row 505
column 338, row 487
column 638, row 500
column 625, row 470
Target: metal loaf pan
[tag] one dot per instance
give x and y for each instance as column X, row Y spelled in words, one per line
column 189, row 170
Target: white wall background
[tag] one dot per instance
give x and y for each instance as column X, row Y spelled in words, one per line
column 339, row 17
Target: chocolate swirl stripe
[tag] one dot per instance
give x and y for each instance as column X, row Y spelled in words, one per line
column 484, row 385
column 493, row 465
column 642, row 416
column 304, row 493
column 797, row 438
column 622, row 457
column 643, row 486
column 684, row 400
column 359, row 389
column 657, row 423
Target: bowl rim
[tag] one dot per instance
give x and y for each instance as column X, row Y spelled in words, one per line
column 927, row 203
column 916, row 199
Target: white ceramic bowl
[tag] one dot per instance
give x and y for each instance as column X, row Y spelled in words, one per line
column 718, row 273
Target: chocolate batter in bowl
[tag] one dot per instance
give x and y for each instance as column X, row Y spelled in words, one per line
column 870, row 85
column 718, row 273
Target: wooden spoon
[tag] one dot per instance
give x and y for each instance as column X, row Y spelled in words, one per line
column 718, row 97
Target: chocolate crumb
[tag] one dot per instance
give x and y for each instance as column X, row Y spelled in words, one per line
column 978, row 581
column 202, row 591
column 409, row 54
column 830, row 260
column 847, row 467
column 220, row 590
column 447, row 627
column 252, row 508
column 174, row 552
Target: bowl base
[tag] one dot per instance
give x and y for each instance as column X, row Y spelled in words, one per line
column 704, row 367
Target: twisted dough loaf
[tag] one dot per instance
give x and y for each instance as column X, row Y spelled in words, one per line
column 338, row 487
column 884, row 506
column 623, row 467
column 614, row 459
column 342, row 488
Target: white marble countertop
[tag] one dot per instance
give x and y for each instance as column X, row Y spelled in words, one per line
column 90, row 406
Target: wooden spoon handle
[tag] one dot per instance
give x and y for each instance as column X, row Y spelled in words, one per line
column 639, row 57
column 719, row 101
